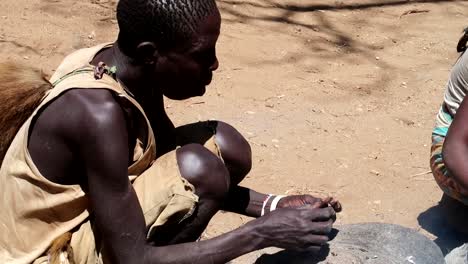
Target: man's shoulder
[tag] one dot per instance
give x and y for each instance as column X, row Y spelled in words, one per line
column 84, row 111
column 90, row 99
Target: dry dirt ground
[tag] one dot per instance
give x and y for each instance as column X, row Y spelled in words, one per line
column 336, row 97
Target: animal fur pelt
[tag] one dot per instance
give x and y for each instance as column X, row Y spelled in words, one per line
column 22, row 89
column 60, row 251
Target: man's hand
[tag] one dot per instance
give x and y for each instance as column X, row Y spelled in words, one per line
column 302, row 228
column 295, row 201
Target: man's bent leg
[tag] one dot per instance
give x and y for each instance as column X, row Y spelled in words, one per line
column 231, row 145
column 225, row 141
column 211, row 180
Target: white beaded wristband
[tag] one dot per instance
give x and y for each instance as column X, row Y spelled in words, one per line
column 275, row 202
column 264, row 204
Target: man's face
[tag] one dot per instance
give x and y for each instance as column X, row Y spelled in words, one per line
column 187, row 72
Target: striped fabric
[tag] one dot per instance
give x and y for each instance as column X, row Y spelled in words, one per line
column 443, row 122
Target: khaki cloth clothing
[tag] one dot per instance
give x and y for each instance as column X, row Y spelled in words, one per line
column 36, row 211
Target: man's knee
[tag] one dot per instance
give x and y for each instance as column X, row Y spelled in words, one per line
column 235, row 150
column 204, row 170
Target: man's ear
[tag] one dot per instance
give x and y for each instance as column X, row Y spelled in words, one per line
column 147, row 53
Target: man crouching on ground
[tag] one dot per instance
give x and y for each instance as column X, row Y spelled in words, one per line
column 100, row 174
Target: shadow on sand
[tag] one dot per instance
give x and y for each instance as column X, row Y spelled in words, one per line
column 447, row 221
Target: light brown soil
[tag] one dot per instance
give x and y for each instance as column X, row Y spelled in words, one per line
column 336, row 97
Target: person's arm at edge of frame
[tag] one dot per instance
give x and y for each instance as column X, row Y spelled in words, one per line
column 455, row 149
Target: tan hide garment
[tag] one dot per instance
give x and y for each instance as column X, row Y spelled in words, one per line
column 35, row 211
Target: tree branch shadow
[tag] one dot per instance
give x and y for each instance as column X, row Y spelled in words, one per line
column 337, row 6
column 331, row 40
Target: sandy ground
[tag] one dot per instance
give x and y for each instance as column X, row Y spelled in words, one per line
column 336, row 97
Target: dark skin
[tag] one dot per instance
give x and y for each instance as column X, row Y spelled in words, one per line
column 83, row 137
column 455, row 149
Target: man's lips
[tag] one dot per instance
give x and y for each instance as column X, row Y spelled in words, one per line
column 208, row 78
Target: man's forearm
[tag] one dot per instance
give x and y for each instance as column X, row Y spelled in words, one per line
column 455, row 154
column 245, row 201
column 455, row 149
column 217, row 250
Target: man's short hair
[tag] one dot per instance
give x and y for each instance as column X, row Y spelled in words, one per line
column 164, row 22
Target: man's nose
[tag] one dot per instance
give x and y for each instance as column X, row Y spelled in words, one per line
column 215, row 65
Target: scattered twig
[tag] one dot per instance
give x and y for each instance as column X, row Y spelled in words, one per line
column 195, row 103
column 422, row 179
column 109, row 19
column 414, row 11
column 420, row 174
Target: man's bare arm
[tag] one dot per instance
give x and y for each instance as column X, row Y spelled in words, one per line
column 455, row 150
